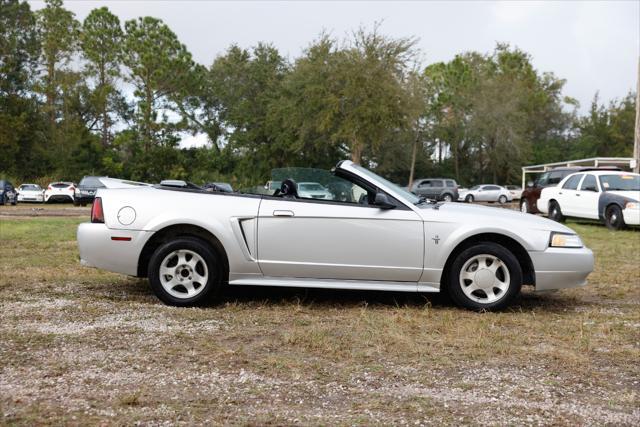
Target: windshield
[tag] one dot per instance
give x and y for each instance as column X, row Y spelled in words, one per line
column 310, row 187
column 410, row 197
column 30, row 187
column 627, row 182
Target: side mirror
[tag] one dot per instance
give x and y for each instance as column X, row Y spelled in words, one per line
column 530, row 184
column 383, row 202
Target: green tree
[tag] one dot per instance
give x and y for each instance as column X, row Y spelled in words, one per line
column 159, row 67
column 58, row 32
column 101, row 42
column 19, row 117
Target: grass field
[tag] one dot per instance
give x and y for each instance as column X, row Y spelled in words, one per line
column 79, row 346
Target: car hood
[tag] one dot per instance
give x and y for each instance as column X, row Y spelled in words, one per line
column 633, row 195
column 490, row 216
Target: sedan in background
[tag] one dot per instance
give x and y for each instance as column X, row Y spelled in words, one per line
column 30, row 193
column 313, row 190
column 608, row 196
column 86, row 191
column 486, row 193
column 515, row 191
column 7, row 193
column 60, row 192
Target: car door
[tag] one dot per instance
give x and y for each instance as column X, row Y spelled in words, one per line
column 326, row 239
column 587, row 198
column 567, row 195
column 491, row 193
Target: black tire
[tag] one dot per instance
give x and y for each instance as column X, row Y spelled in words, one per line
column 509, row 261
column 555, row 213
column 14, row 203
column 613, row 218
column 213, row 262
column 524, row 206
column 469, row 199
column 502, row 200
column 447, row 197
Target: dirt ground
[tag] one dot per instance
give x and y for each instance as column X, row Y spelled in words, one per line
column 79, row 346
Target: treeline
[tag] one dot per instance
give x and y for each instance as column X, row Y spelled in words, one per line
column 107, row 98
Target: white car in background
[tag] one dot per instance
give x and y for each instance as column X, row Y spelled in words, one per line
column 486, row 193
column 30, row 193
column 313, row 190
column 515, row 191
column 608, row 196
column 60, row 192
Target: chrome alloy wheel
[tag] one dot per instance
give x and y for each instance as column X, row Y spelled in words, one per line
column 484, row 278
column 183, row 273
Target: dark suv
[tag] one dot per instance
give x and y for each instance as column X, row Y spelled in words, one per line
column 436, row 188
column 7, row 193
column 86, row 190
column 531, row 194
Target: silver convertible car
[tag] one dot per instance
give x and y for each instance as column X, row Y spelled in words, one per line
column 370, row 235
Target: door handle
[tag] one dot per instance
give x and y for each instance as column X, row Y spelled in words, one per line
column 577, row 195
column 282, row 213
column 559, row 192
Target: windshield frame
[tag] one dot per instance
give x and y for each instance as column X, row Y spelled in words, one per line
column 374, row 178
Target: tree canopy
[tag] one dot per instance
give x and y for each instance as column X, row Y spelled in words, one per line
column 100, row 97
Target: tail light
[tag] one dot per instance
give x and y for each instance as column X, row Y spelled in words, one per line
column 49, row 187
column 97, row 215
column 72, row 188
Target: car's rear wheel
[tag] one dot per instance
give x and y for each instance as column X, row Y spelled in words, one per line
column 502, row 200
column 486, row 276
column 185, row 272
column 447, row 197
column 555, row 213
column 613, row 218
column 469, row 199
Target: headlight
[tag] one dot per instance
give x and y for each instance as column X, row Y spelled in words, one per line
column 563, row 240
column 632, row 205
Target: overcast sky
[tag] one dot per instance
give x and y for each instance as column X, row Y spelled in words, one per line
column 595, row 46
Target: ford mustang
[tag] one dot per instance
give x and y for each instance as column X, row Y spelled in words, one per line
column 369, row 235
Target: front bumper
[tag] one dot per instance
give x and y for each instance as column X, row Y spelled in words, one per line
column 98, row 250
column 631, row 216
column 30, row 198
column 560, row 268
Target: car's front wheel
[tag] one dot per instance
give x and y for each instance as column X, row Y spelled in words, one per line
column 469, row 199
column 185, row 272
column 486, row 276
column 555, row 213
column 524, row 206
column 613, row 218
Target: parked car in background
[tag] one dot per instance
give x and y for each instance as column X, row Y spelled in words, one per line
column 436, row 189
column 30, row 193
column 515, row 191
column 272, row 186
column 86, row 190
column 200, row 242
column 60, row 192
column 7, row 193
column 486, row 193
column 223, row 187
column 313, row 190
column 531, row 194
column 608, row 196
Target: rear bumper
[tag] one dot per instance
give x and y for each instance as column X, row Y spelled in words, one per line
column 58, row 198
column 98, row 250
column 560, row 268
